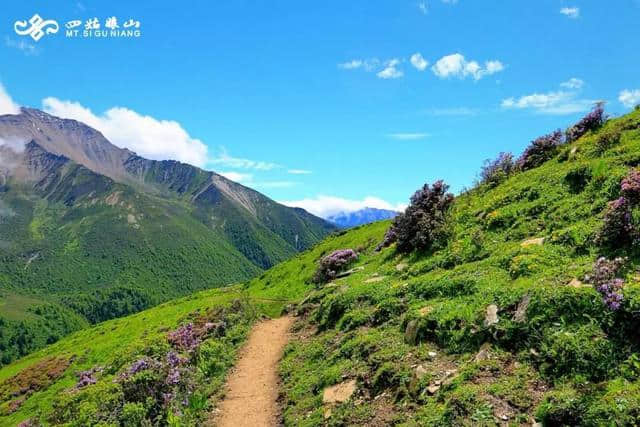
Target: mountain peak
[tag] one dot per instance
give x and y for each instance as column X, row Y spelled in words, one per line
column 362, row 216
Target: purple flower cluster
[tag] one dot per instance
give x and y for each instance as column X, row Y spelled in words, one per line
column 630, row 186
column 618, row 227
column 540, row 150
column 606, row 282
column 494, row 171
column 184, row 338
column 173, row 377
column 86, row 378
column 174, row 359
column 591, row 121
column 333, row 264
column 138, row 366
column 389, row 238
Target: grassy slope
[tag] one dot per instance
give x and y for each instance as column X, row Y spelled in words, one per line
column 569, row 361
column 118, row 342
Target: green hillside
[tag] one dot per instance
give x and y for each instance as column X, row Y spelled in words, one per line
column 91, row 232
column 35, row 387
column 497, row 325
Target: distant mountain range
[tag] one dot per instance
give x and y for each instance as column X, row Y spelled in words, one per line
column 90, row 231
column 362, row 216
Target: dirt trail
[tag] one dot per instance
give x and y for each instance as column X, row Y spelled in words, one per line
column 252, row 387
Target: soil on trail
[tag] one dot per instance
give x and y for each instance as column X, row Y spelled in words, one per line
column 252, row 388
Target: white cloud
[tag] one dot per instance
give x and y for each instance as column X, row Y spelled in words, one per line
column 390, row 71
column 26, row 47
column 571, row 12
column 573, row 83
column 422, row 6
column 299, row 172
column 629, row 98
column 7, row 106
column 237, row 176
column 455, row 65
column 325, row 206
column 225, row 159
column 369, row 64
column 405, row 136
column 557, row 103
column 418, row 61
column 146, row 135
column 351, row 65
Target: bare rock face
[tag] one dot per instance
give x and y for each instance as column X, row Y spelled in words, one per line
column 491, row 317
column 521, row 311
column 533, row 242
column 575, row 283
column 484, row 353
column 339, row 393
column 411, row 332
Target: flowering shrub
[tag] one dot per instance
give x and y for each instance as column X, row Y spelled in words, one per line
column 157, row 382
column 389, row 238
column 169, row 383
column 630, row 186
column 617, row 227
column 606, row 282
column 86, row 378
column 591, row 121
column 495, row 171
column 184, row 338
column 334, row 263
column 540, row 150
column 423, row 223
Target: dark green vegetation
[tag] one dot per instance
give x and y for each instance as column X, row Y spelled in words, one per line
column 90, row 232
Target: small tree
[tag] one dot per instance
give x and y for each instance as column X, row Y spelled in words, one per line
column 591, row 121
column 495, row 171
column 540, row 150
column 331, row 265
column 423, row 223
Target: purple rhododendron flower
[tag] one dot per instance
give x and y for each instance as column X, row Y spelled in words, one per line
column 173, row 377
column 184, row 338
column 630, row 186
column 540, row 150
column 334, row 263
column 591, row 121
column 86, row 378
column 606, row 283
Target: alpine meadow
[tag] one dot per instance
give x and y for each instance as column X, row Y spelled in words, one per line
column 377, row 213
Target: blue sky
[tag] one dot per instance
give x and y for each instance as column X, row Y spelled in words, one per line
column 328, row 104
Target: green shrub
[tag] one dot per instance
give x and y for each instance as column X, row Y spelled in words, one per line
column 562, row 407
column 583, row 350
